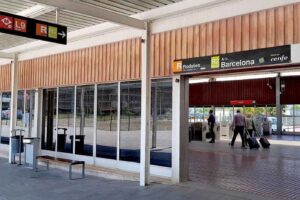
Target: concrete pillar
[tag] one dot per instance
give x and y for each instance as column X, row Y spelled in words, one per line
column 180, row 136
column 13, row 103
column 146, row 106
column 278, row 106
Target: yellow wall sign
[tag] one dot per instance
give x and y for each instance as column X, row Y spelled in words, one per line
column 177, row 66
column 215, row 62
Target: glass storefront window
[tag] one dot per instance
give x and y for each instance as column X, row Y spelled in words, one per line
column 228, row 114
column 161, row 107
column 65, row 128
column 84, row 120
column 107, row 111
column 5, row 117
column 20, row 109
column 287, row 118
column 49, row 119
column 130, row 123
column 28, row 116
column 191, row 114
column 219, row 114
column 199, row 114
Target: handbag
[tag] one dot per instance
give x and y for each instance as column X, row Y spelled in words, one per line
column 208, row 135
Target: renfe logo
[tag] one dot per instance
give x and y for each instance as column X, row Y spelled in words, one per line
column 279, row 58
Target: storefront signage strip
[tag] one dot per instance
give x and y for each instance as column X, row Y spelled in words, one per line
column 252, row 58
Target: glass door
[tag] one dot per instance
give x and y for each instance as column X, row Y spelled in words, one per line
column 288, row 119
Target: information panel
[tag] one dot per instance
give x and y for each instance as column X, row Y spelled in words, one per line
column 252, row 58
column 31, row 28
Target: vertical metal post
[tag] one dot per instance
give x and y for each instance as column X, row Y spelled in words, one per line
column 56, row 121
column 56, row 15
column 1, row 116
column 37, row 113
column 95, row 124
column 13, row 103
column 74, row 125
column 146, row 105
column 154, row 114
column 278, row 106
column 118, row 121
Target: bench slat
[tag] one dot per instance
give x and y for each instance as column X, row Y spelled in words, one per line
column 63, row 160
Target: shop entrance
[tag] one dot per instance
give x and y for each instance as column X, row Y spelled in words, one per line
column 254, row 171
column 224, row 114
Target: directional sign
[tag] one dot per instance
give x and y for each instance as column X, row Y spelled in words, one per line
column 31, row 28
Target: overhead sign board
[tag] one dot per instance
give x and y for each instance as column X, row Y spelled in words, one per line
column 242, row 102
column 252, row 58
column 31, row 28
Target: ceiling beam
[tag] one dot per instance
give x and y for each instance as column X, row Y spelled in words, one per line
column 6, row 55
column 78, row 7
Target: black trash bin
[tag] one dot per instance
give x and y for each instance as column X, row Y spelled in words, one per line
column 61, row 141
column 15, row 144
column 79, row 143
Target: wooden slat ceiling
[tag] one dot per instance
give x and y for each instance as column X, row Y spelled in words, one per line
column 72, row 20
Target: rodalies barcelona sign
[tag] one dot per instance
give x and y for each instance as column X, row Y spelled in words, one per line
column 252, row 58
column 31, row 28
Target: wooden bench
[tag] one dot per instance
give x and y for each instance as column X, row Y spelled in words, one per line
column 48, row 159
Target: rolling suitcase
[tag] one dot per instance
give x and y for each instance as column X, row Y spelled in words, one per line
column 252, row 142
column 264, row 142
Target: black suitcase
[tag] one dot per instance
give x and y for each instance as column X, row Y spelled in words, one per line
column 252, row 142
column 264, row 143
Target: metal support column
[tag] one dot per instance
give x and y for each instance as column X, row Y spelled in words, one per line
column 146, row 105
column 13, row 103
column 278, row 106
column 38, row 105
column 180, row 127
column 118, row 121
column 95, row 124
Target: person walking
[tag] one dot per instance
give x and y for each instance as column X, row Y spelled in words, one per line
column 250, row 125
column 211, row 123
column 238, row 124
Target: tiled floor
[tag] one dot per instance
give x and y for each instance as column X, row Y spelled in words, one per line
column 273, row 173
column 20, row 183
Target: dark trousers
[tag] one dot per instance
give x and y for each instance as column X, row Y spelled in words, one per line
column 212, row 133
column 240, row 130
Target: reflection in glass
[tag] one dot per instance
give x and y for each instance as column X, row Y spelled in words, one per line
column 5, row 117
column 20, row 109
column 219, row 114
column 161, row 107
column 287, row 118
column 28, row 117
column 65, row 128
column 130, row 123
column 84, row 120
column 107, row 110
column 49, row 119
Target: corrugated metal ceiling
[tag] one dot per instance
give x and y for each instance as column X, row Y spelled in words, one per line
column 72, row 20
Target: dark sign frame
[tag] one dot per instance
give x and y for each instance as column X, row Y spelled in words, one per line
column 237, row 60
column 31, row 28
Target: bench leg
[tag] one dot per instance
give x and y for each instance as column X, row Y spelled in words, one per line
column 83, row 170
column 70, row 171
column 47, row 164
column 37, row 166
